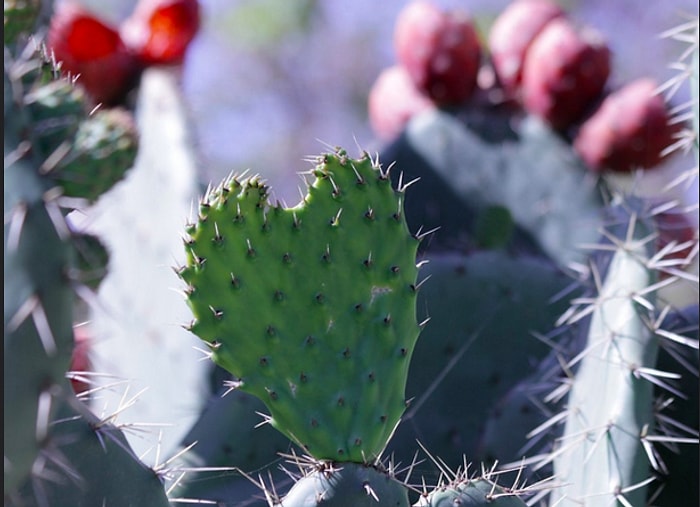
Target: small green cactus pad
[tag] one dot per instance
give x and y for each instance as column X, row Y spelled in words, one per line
column 351, row 485
column 103, row 150
column 311, row 307
column 55, row 108
column 471, row 493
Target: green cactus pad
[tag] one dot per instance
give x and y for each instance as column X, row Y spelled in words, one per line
column 54, row 108
column 477, row 159
column 88, row 461
column 351, row 485
column 227, row 435
column 601, row 453
column 104, row 149
column 471, row 494
column 20, row 18
column 311, row 307
column 37, row 324
column 484, row 308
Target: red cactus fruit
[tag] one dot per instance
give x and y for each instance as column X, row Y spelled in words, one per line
column 440, row 50
column 393, row 101
column 511, row 35
column 159, row 31
column 92, row 50
column 565, row 71
column 80, row 360
column 629, row 130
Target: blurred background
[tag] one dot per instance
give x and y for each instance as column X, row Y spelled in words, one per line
column 268, row 82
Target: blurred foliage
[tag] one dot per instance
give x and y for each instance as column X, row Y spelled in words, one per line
column 256, row 24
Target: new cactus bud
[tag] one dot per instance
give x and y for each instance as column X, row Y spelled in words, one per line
column 565, row 70
column 630, row 130
column 440, row 49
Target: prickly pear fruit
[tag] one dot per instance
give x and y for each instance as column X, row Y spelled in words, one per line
column 159, row 31
column 511, row 35
column 630, row 130
column 344, row 259
column 393, row 100
column 440, row 49
column 565, row 70
column 347, row 485
column 87, row 47
column 471, row 493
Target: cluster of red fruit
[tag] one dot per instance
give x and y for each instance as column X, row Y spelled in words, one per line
column 107, row 59
column 544, row 62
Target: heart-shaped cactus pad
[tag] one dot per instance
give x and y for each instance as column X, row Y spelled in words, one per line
column 311, row 308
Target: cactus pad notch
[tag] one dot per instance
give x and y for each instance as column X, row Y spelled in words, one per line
column 311, row 307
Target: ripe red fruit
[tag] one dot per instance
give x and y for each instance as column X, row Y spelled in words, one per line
column 511, row 35
column 89, row 48
column 565, row 70
column 629, row 130
column 393, row 101
column 159, row 31
column 439, row 49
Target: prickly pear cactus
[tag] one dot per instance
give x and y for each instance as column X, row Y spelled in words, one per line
column 347, row 485
column 38, row 308
column 95, row 465
column 476, row 307
column 103, row 150
column 311, row 308
column 471, row 493
column 478, row 159
column 610, row 404
column 224, row 444
column 609, row 412
column 56, row 450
